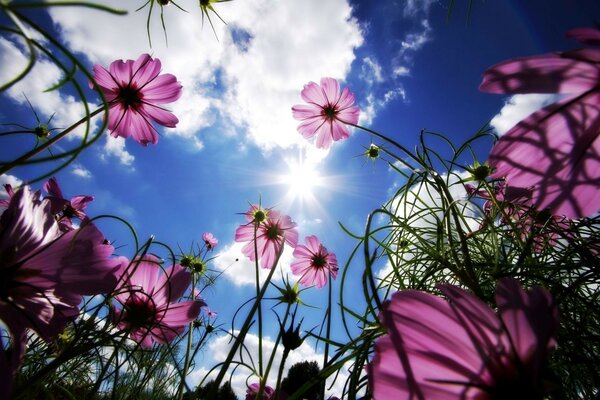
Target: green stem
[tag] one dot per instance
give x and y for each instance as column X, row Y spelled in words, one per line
column 186, row 363
column 244, row 329
column 327, row 334
column 7, row 167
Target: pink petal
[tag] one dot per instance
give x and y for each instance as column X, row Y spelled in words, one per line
column 159, row 115
column 554, row 154
column 548, row 73
column 181, row 314
column 312, row 93
column 589, row 36
column 174, row 282
column 145, row 69
column 309, row 127
column 103, row 78
column 306, row 111
column 531, row 319
column 163, row 89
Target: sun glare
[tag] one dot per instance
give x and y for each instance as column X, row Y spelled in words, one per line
column 302, row 180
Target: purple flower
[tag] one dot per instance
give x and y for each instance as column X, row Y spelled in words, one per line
column 64, row 209
column 553, row 155
column 327, row 113
column 43, row 272
column 314, row 263
column 209, row 240
column 271, row 230
column 135, row 91
column 460, row 348
column 149, row 297
column 252, row 391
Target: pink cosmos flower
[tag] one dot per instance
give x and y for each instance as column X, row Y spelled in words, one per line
column 64, row 209
column 44, row 272
column 209, row 240
column 327, row 113
column 252, row 391
column 314, row 263
column 135, row 91
column 148, row 296
column 553, row 155
column 542, row 228
column 460, row 348
column 271, row 230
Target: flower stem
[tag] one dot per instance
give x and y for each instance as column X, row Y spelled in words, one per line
column 244, row 330
column 7, row 167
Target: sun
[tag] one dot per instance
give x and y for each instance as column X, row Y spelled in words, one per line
column 301, row 180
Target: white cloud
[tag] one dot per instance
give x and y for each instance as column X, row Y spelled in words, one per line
column 10, row 180
column 81, row 171
column 518, row 107
column 114, row 147
column 218, row 350
column 422, row 208
column 252, row 85
column 241, row 271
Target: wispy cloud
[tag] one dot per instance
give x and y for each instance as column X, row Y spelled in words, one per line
column 80, row 171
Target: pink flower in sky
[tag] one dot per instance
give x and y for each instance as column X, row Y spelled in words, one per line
column 327, row 113
column 149, row 294
column 460, row 348
column 135, row 92
column 64, row 209
column 209, row 240
column 553, row 155
column 252, row 391
column 271, row 230
column 314, row 263
column 45, row 272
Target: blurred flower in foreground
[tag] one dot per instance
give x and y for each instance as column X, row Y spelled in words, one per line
column 271, row 230
column 64, row 209
column 209, row 240
column 43, row 272
column 327, row 112
column 314, row 263
column 149, row 294
column 460, row 348
column 252, row 391
column 135, row 91
column 553, row 154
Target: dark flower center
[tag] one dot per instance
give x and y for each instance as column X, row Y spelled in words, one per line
column 319, row 261
column 259, row 216
column 139, row 313
column 130, row 96
column 329, row 111
column 273, row 232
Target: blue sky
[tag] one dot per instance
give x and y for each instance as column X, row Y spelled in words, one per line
column 409, row 65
